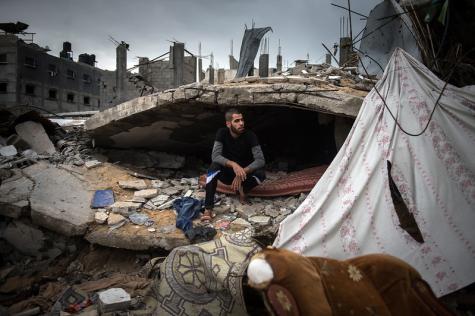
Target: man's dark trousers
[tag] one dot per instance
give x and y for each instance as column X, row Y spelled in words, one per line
column 226, row 175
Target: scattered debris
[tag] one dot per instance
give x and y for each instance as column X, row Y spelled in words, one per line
column 133, row 184
column 114, row 299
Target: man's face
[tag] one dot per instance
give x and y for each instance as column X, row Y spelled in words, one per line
column 236, row 125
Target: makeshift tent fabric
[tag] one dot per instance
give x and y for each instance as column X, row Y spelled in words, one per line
column 350, row 211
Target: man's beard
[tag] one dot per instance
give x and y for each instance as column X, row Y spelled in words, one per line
column 236, row 131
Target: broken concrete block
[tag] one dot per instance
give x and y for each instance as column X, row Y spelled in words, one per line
column 241, row 222
column 271, row 211
column 260, row 220
column 133, row 184
column 8, row 151
column 27, row 239
column 124, row 208
column 138, row 199
column 170, row 191
column 34, row 135
column 166, row 205
column 15, row 209
column 100, row 217
column 246, row 211
column 92, row 163
column 188, row 193
column 168, row 161
column 59, row 200
column 114, row 299
column 150, row 206
column 115, row 219
column 146, row 194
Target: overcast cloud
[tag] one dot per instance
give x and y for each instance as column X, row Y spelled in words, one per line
column 301, row 25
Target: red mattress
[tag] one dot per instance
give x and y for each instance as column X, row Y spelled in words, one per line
column 290, row 184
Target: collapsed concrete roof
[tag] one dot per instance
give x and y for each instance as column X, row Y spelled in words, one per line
column 198, row 107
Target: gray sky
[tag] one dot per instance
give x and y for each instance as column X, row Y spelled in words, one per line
column 301, row 25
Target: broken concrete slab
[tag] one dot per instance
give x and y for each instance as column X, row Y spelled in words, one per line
column 136, row 237
column 157, row 122
column 8, row 151
column 15, row 209
column 59, row 200
column 35, row 135
column 26, row 238
column 146, row 194
column 133, row 184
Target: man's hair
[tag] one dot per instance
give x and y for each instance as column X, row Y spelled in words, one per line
column 229, row 114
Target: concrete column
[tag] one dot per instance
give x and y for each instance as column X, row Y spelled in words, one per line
column 279, row 62
column 345, row 51
column 200, row 69
column 221, row 76
column 211, row 74
column 178, row 60
column 264, row 65
column 328, row 59
column 121, row 71
column 143, row 67
column 233, row 63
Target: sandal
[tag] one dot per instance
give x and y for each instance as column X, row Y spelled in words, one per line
column 205, row 218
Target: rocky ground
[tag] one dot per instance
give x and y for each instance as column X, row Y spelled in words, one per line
column 52, row 241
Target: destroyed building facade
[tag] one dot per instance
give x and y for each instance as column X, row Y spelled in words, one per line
column 30, row 76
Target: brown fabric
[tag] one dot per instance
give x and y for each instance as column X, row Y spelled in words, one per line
column 367, row 285
column 131, row 284
column 290, row 184
column 281, row 301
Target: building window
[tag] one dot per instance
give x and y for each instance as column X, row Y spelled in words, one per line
column 86, row 78
column 87, row 101
column 70, row 74
column 3, row 87
column 30, row 62
column 52, row 70
column 29, row 89
column 70, row 97
column 53, row 94
column 3, row 58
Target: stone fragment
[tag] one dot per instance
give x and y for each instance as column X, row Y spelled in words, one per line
column 100, row 217
column 30, row 154
column 124, row 208
column 166, row 205
column 92, row 163
column 158, row 184
column 246, row 211
column 146, row 194
column 160, row 199
column 8, row 151
column 138, row 199
column 151, row 229
column 133, row 184
column 188, row 193
column 241, row 222
column 150, row 206
column 170, row 191
column 115, row 219
column 260, row 220
column 285, row 211
column 114, row 299
column 271, row 211
column 34, row 135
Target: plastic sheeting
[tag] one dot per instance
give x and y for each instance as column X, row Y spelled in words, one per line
column 387, row 28
column 350, row 211
column 250, row 45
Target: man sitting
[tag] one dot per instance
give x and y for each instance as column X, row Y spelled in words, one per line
column 237, row 159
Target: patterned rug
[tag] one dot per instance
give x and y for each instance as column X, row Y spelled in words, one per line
column 206, row 278
column 290, row 184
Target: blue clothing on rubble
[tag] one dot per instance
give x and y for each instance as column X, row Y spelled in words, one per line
column 187, row 209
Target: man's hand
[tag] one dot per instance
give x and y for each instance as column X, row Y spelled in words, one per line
column 237, row 183
column 239, row 171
